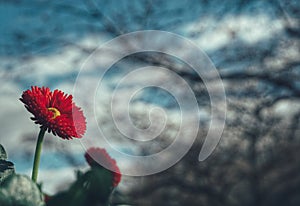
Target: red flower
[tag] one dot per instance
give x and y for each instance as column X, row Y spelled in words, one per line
column 55, row 111
column 95, row 156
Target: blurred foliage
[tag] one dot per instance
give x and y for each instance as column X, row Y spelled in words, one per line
column 19, row 190
column 16, row 190
column 92, row 188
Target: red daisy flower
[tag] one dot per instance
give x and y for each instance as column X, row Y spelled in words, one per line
column 55, row 111
column 95, row 156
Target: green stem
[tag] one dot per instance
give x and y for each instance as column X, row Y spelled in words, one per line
column 37, row 155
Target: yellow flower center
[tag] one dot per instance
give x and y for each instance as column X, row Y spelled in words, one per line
column 55, row 112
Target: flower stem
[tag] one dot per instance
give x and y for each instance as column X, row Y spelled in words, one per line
column 37, row 155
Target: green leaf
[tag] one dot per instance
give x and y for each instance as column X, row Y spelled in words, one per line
column 61, row 198
column 101, row 181
column 3, row 155
column 19, row 190
column 91, row 188
column 6, row 169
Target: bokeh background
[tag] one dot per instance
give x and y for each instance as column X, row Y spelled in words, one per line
column 255, row 47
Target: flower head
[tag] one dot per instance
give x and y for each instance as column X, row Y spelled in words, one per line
column 95, row 156
column 55, row 111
